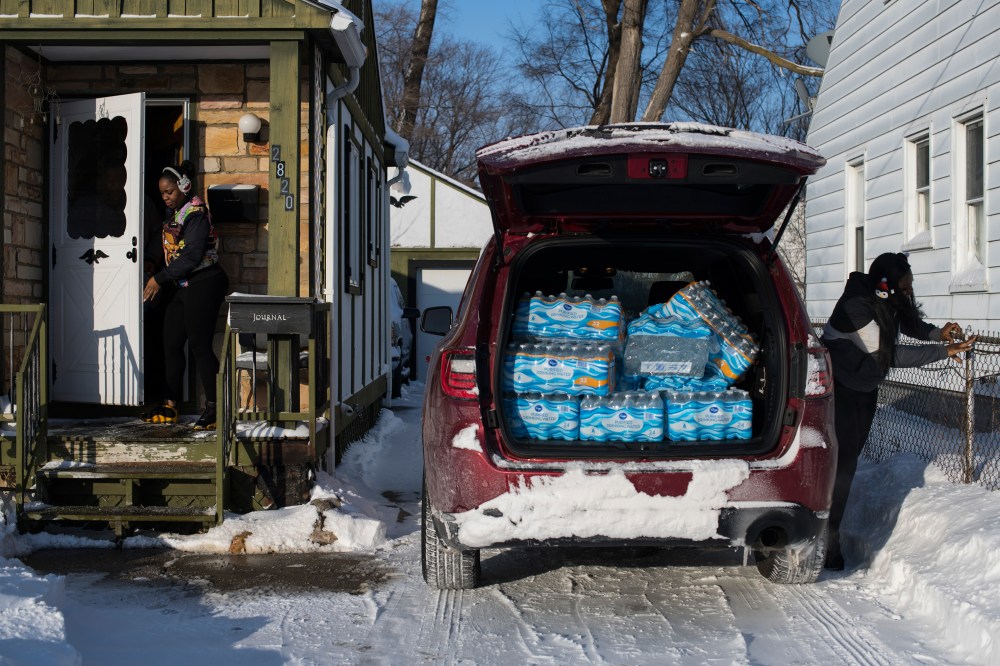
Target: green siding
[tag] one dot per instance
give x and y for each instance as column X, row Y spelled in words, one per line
column 205, row 9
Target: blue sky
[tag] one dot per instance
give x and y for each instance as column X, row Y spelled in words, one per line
column 484, row 21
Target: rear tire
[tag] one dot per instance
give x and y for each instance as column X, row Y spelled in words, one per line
column 397, row 381
column 790, row 565
column 444, row 567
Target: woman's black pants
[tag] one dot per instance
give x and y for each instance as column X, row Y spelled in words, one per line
column 854, row 412
column 190, row 318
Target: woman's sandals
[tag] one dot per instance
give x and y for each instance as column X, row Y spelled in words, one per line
column 161, row 414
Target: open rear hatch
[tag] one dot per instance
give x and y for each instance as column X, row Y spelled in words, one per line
column 641, row 229
column 685, row 176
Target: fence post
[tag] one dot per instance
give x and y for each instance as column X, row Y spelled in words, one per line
column 970, row 415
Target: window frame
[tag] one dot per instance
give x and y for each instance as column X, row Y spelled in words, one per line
column 970, row 239
column 374, row 221
column 918, row 197
column 352, row 210
column 855, row 211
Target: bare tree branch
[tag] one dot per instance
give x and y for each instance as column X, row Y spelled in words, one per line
column 770, row 55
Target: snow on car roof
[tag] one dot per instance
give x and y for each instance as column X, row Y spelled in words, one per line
column 679, row 136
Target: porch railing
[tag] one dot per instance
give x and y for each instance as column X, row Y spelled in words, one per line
column 225, row 392
column 24, row 341
column 239, row 406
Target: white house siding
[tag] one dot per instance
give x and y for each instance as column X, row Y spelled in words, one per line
column 897, row 69
column 359, row 344
column 443, row 214
column 411, row 223
column 461, row 217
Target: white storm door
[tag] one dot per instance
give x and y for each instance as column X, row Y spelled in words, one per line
column 95, row 283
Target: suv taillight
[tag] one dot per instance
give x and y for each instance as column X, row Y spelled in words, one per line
column 819, row 378
column 458, row 374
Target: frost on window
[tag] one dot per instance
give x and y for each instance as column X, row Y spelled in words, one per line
column 95, row 196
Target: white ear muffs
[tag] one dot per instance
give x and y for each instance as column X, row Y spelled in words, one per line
column 183, row 182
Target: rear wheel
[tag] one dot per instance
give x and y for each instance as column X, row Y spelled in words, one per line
column 397, row 381
column 445, row 567
column 792, row 564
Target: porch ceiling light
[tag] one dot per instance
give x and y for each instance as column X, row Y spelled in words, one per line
column 250, row 127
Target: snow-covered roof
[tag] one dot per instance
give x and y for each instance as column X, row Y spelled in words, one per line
column 448, row 179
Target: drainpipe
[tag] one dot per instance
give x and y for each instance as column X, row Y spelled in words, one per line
column 401, row 155
column 346, row 29
column 345, row 88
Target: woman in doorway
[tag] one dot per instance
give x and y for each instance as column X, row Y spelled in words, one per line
column 191, row 265
column 861, row 337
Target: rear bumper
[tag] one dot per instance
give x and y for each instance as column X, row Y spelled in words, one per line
column 759, row 527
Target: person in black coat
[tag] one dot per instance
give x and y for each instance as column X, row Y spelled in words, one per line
column 193, row 286
column 861, row 336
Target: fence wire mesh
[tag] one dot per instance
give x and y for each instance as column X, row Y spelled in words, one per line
column 944, row 413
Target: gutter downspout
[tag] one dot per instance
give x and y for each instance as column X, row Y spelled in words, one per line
column 344, row 27
column 345, row 88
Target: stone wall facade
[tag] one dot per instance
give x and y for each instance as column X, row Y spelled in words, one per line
column 219, row 94
column 23, row 182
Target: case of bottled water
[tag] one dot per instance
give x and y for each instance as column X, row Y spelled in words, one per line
column 573, row 368
column 735, row 349
column 709, row 415
column 573, row 318
column 541, row 416
column 622, row 417
column 661, row 346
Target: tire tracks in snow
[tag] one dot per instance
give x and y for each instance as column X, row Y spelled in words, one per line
column 446, row 626
column 796, row 624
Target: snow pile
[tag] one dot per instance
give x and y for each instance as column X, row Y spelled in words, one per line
column 342, row 514
column 931, row 547
column 32, row 629
column 577, row 504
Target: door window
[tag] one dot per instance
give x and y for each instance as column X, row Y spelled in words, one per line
column 96, row 176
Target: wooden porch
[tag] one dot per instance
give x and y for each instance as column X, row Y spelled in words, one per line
column 124, row 472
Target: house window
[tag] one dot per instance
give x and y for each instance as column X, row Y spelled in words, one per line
column 922, row 186
column 969, row 236
column 352, row 214
column 855, row 207
column 375, row 212
column 975, row 217
column 917, row 204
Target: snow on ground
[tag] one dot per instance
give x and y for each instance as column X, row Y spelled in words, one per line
column 925, row 548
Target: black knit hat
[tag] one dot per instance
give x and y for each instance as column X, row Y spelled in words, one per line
column 886, row 272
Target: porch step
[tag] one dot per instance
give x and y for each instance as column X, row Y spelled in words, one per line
column 156, row 470
column 125, row 493
column 129, row 440
column 48, row 512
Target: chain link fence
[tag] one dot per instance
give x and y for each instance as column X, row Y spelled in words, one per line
column 945, row 413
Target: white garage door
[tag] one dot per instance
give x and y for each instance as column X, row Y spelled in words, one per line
column 436, row 286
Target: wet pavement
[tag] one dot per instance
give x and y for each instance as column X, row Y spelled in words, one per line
column 351, row 573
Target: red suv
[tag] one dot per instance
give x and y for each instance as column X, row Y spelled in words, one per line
column 631, row 362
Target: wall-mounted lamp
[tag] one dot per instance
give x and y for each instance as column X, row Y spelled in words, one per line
column 250, row 127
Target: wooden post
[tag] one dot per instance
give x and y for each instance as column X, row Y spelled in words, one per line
column 283, row 216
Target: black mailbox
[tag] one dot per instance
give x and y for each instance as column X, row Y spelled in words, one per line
column 233, row 203
column 288, row 315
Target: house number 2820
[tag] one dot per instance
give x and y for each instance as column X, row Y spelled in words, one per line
column 284, row 182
